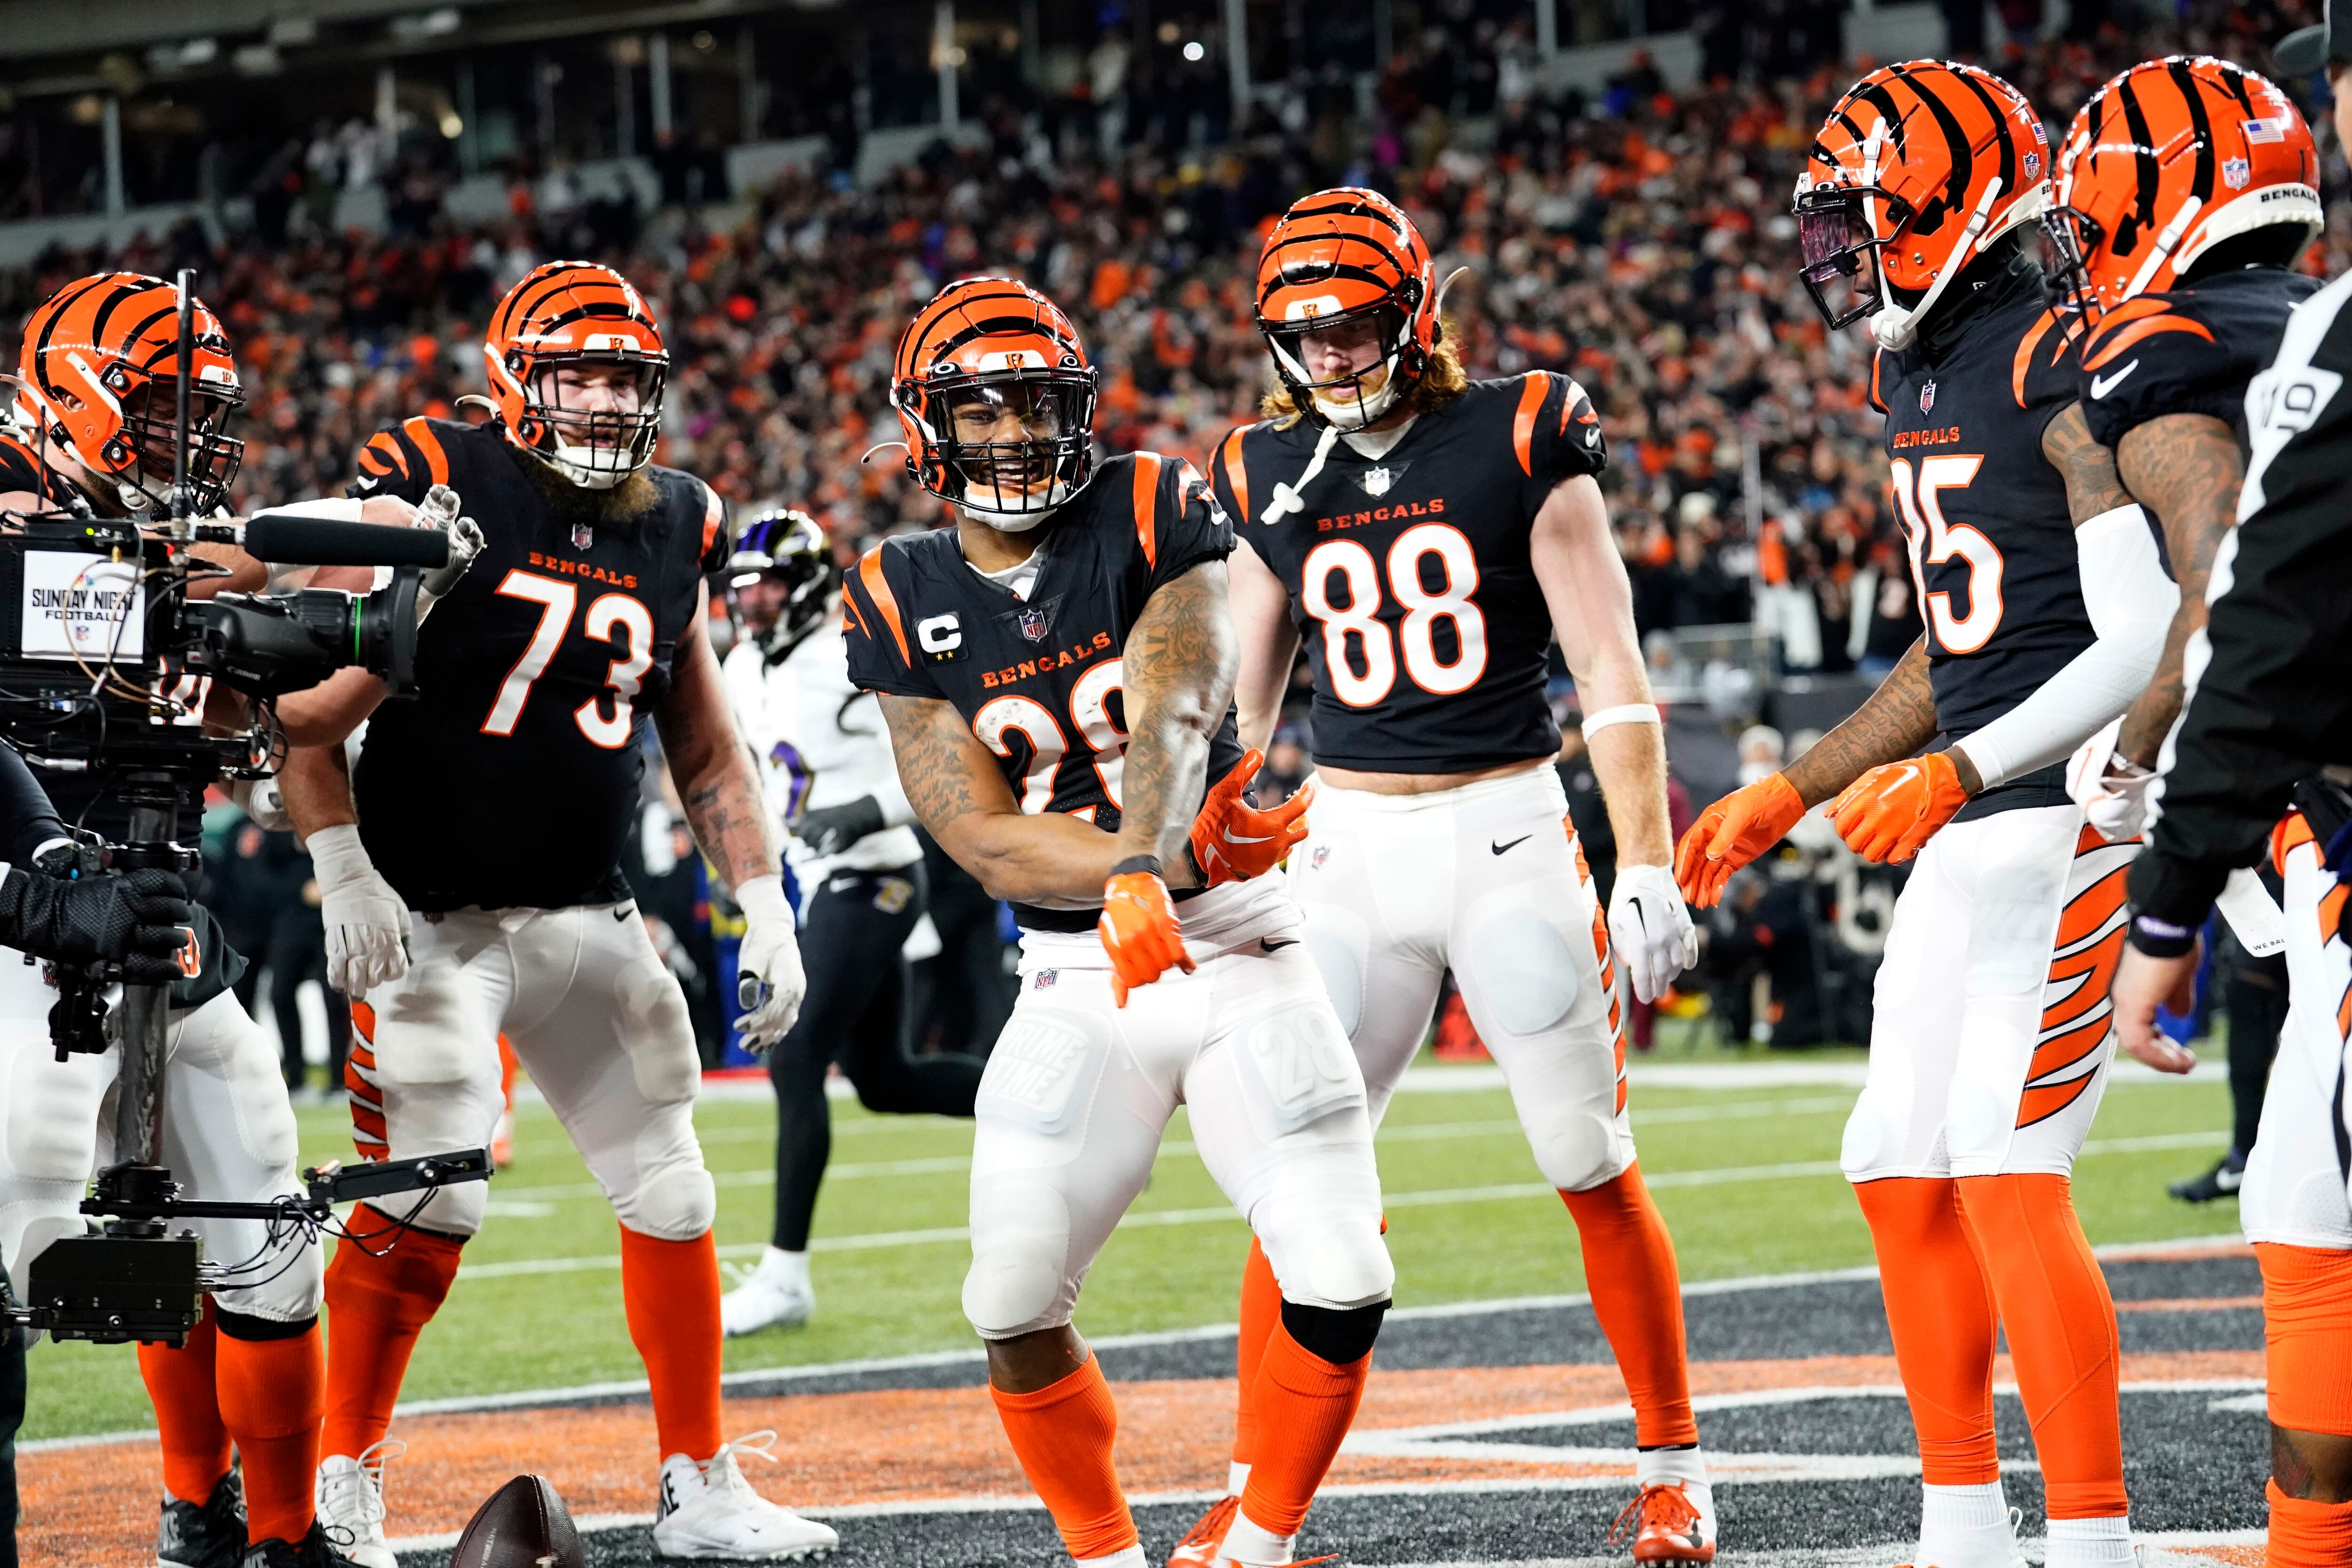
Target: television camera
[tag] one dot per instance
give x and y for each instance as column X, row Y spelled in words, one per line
column 106, row 663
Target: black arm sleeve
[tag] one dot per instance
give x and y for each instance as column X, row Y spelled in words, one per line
column 27, row 820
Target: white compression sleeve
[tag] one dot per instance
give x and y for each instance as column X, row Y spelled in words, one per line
column 2131, row 604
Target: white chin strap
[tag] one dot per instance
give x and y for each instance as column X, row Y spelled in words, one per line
column 1893, row 327
column 1357, row 413
column 1019, row 521
column 592, row 467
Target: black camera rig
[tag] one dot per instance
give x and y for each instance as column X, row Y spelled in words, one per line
column 105, row 664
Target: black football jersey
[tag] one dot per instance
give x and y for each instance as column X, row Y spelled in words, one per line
column 1039, row 679
column 2187, row 351
column 512, row 779
column 1985, row 518
column 1409, row 573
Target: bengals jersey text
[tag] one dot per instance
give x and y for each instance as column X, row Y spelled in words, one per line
column 1984, row 514
column 2191, row 349
column 1410, row 575
column 1040, row 678
column 511, row 780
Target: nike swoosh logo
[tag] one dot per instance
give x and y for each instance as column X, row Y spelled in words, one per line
column 1267, row 944
column 1513, row 844
column 2102, row 384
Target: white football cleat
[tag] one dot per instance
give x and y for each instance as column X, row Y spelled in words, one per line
column 349, row 1499
column 775, row 1295
column 708, row 1510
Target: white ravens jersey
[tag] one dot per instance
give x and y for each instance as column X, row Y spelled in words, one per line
column 824, row 743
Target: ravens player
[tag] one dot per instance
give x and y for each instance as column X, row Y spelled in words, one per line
column 862, row 889
column 1426, row 535
column 495, row 807
column 2193, row 346
column 93, row 435
column 1056, row 670
column 2046, row 606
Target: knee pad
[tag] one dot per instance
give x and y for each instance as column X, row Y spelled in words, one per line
column 1020, row 1280
column 1340, row 1338
column 1334, row 1261
column 1338, row 943
column 52, row 1111
column 455, row 1211
column 676, row 1204
column 1578, row 1148
column 1865, row 1138
column 1525, row 970
column 657, row 1030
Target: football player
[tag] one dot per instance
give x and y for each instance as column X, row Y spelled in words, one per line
column 1427, row 535
column 1057, row 669
column 2046, row 606
column 495, row 805
column 92, row 435
column 2216, row 326
column 831, row 781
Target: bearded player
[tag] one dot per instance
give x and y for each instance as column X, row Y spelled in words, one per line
column 2047, row 607
column 1427, row 536
column 2189, row 311
column 1057, row 669
column 501, row 906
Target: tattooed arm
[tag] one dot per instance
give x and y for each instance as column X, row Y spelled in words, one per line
column 716, row 775
column 2093, row 486
column 2184, row 468
column 1179, row 663
column 1895, row 722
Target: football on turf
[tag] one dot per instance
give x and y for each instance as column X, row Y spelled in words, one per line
column 523, row 1525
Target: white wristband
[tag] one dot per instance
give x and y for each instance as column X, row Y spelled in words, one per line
column 1625, row 713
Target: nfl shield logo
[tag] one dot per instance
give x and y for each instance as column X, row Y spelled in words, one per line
column 1033, row 624
column 1376, row 482
column 1045, row 978
column 2235, row 173
column 1927, row 397
column 582, row 536
column 2032, row 162
column 1322, row 853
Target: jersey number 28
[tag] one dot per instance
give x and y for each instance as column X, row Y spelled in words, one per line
column 1415, row 634
column 611, row 617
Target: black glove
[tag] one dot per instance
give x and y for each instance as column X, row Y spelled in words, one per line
column 133, row 918
column 830, row 829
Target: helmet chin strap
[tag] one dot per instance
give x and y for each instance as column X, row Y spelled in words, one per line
column 1363, row 411
column 1018, row 521
column 580, row 465
column 1896, row 328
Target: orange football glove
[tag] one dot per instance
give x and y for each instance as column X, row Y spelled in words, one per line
column 1732, row 832
column 1139, row 927
column 1890, row 811
column 1233, row 840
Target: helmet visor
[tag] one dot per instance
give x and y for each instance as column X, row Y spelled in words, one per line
column 2074, row 239
column 1834, row 238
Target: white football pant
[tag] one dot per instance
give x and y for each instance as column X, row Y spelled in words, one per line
column 2295, row 1188
column 228, row 1136
column 1078, row 1091
column 1991, row 1028
column 594, row 1015
column 1487, row 880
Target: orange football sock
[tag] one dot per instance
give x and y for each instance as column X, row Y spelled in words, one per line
column 187, row 1411
column 1261, row 1315
column 2307, row 1320
column 2061, row 1325
column 1939, row 1308
column 1061, row 1434
column 2306, row 1534
column 273, row 1393
column 670, row 1290
column 1304, row 1405
column 376, row 1306
column 1637, row 1294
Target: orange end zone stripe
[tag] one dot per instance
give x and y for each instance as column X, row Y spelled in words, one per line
column 869, row 571
column 1236, row 474
column 1147, row 505
column 436, row 461
column 1532, row 393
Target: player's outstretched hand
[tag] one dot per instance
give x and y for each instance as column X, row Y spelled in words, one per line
column 768, row 964
column 1649, row 929
column 2118, row 796
column 1233, row 840
column 138, row 919
column 2142, row 984
column 366, row 921
column 441, row 510
column 1890, row 811
column 1138, row 927
column 1732, row 832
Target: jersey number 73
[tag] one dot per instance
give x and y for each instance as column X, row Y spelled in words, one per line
column 616, row 618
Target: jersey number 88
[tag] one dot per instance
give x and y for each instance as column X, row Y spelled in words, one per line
column 1416, row 633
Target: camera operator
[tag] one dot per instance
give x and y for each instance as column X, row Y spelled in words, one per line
column 95, row 435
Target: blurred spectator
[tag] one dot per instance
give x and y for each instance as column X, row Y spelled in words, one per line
column 1761, row 754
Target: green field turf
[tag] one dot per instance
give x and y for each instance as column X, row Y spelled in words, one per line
column 882, row 1292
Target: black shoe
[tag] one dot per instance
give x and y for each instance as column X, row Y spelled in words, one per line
column 2228, row 1174
column 315, row 1550
column 210, row 1535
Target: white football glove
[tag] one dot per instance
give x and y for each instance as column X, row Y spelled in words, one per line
column 2121, row 805
column 367, row 923
column 1650, row 929
column 768, row 964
